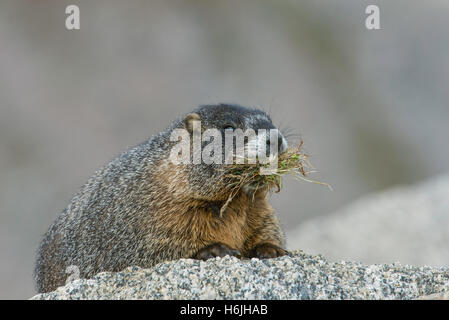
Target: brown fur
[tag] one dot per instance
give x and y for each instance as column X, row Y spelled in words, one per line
column 248, row 221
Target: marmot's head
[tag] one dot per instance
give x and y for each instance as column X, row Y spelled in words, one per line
column 231, row 117
column 206, row 179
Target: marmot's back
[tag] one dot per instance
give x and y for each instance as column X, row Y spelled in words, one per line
column 141, row 209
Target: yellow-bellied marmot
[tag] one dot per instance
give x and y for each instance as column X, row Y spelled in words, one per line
column 141, row 209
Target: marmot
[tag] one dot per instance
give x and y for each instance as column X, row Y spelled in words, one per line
column 141, row 209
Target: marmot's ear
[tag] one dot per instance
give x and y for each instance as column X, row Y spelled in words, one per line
column 189, row 119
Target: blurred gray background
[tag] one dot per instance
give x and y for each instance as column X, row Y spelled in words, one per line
column 371, row 105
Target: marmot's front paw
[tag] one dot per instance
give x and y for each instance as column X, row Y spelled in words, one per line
column 216, row 250
column 266, row 251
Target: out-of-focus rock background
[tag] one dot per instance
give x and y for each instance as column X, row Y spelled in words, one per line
column 371, row 106
column 406, row 224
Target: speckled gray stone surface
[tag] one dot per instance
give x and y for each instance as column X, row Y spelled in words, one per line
column 299, row 276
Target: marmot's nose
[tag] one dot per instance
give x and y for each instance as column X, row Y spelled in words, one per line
column 281, row 143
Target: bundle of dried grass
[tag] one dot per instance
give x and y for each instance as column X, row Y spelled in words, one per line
column 293, row 161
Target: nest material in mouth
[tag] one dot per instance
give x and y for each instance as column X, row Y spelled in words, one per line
column 293, row 161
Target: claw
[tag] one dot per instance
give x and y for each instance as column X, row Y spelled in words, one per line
column 216, row 250
column 267, row 251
